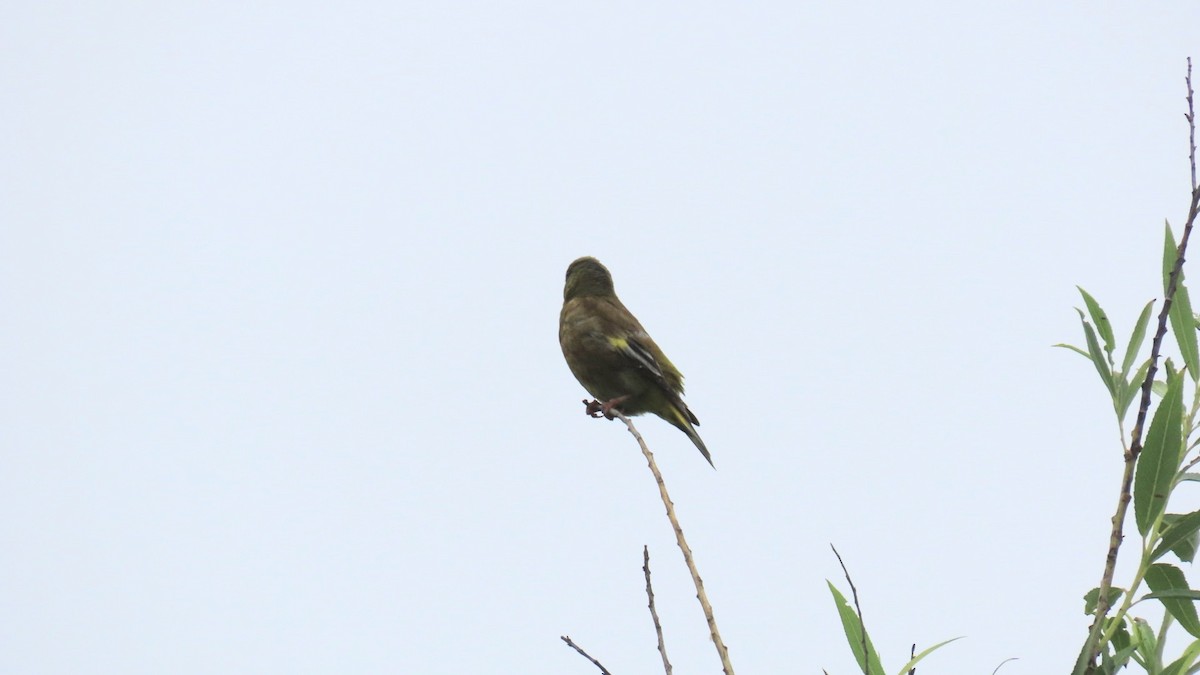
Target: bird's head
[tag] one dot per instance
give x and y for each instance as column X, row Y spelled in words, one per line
column 586, row 276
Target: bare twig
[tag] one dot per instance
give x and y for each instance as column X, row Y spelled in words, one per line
column 1092, row 646
column 1191, row 118
column 1011, row 658
column 722, row 650
column 587, row 656
column 912, row 654
column 862, row 626
column 662, row 647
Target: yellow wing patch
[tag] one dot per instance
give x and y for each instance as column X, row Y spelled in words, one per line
column 618, row 342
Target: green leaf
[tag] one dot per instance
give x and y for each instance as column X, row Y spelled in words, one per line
column 1105, row 667
column 1091, row 597
column 1186, row 549
column 1159, row 459
column 1096, row 355
column 1136, row 339
column 1183, row 324
column 1183, row 320
column 1170, row 251
column 1133, row 390
column 1185, row 593
column 1185, row 661
column 1100, row 319
column 1159, row 387
column 1110, row 663
column 1123, row 393
column 1074, row 349
column 1121, row 658
column 912, row 663
column 1189, row 476
column 1179, row 530
column 1120, row 638
column 1146, row 640
column 853, row 627
column 1131, row 393
column 1122, row 642
column 1171, row 588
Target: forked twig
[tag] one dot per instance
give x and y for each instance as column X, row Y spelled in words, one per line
column 722, row 650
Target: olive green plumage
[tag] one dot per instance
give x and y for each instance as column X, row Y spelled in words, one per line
column 613, row 357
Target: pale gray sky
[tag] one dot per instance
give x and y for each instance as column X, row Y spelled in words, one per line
column 282, row 390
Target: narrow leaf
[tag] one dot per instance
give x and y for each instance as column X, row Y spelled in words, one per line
column 1123, row 392
column 1100, row 319
column 852, row 625
column 1121, row 658
column 1179, row 529
column 1183, row 321
column 1136, row 339
column 1186, row 550
column 1183, row 324
column 912, row 663
column 1096, row 355
column 1170, row 251
column 1184, row 663
column 1145, row 639
column 1175, row 668
column 1160, row 457
column 1169, row 584
column 1132, row 391
column 1074, row 349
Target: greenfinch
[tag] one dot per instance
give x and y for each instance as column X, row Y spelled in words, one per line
column 613, row 357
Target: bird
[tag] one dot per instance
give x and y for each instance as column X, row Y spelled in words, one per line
column 614, row 358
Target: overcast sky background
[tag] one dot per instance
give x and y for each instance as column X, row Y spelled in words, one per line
column 280, row 282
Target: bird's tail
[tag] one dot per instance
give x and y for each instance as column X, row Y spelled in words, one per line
column 683, row 419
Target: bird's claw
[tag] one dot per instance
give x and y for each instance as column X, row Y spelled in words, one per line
column 596, row 408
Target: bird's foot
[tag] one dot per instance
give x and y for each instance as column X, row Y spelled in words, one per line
column 596, row 408
column 607, row 407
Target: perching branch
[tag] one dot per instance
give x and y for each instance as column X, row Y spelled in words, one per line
column 722, row 650
column 1092, row 646
column 662, row 647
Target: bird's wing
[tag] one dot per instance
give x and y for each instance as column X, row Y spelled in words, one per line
column 632, row 342
column 634, row 349
column 641, row 350
column 667, row 378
